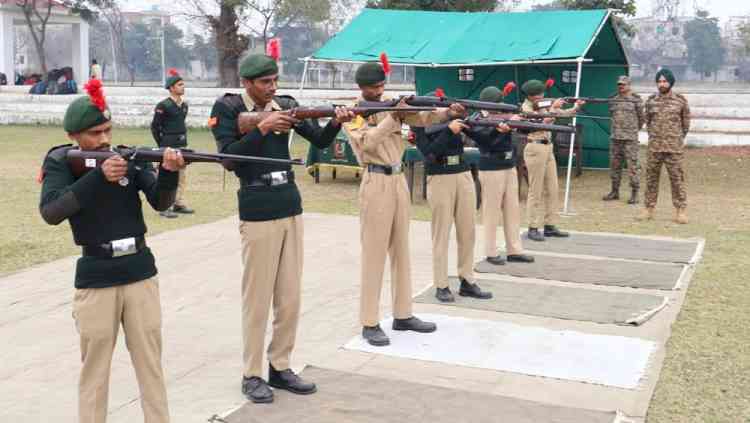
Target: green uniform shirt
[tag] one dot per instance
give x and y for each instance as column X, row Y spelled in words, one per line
column 99, row 211
column 260, row 203
column 441, row 147
column 168, row 126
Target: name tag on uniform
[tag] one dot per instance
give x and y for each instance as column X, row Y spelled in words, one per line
column 278, row 178
column 453, row 160
column 123, row 247
column 90, row 163
column 508, row 155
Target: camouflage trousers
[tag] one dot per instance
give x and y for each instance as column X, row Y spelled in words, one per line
column 624, row 151
column 673, row 163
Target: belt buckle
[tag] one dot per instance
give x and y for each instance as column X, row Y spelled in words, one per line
column 279, row 177
column 453, row 160
column 123, row 247
column 395, row 168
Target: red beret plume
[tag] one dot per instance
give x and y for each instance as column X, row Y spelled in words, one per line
column 508, row 88
column 172, row 72
column 550, row 82
column 273, row 49
column 94, row 88
column 384, row 61
column 439, row 92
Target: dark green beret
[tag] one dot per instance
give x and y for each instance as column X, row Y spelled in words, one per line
column 667, row 74
column 492, row 94
column 172, row 80
column 533, row 87
column 258, row 66
column 82, row 115
column 370, row 73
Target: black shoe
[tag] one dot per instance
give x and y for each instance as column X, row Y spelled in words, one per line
column 182, row 209
column 551, row 230
column 375, row 336
column 614, row 194
column 473, row 290
column 287, row 380
column 168, row 213
column 444, row 295
column 535, row 235
column 520, row 258
column 413, row 323
column 633, row 196
column 495, row 260
column 256, row 390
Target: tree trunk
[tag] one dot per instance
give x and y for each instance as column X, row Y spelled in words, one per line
column 229, row 46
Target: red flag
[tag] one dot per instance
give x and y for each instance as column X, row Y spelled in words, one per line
column 273, row 49
column 384, row 62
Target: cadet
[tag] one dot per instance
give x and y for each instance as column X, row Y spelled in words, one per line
column 452, row 198
column 169, row 130
column 627, row 120
column 668, row 122
column 271, row 223
column 497, row 173
column 542, row 167
column 115, row 278
column 384, row 205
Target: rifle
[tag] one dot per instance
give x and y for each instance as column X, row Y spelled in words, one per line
column 493, row 122
column 551, row 115
column 81, row 161
column 421, row 101
column 246, row 121
column 547, row 102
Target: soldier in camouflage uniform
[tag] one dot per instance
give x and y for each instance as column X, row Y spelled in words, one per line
column 627, row 120
column 668, row 122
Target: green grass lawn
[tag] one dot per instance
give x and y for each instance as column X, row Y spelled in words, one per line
column 706, row 377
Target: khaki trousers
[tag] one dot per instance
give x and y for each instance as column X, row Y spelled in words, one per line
column 542, row 168
column 272, row 256
column 500, row 195
column 98, row 313
column 452, row 198
column 384, row 231
column 181, row 187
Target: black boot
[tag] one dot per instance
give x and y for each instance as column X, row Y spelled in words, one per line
column 182, row 209
column 444, row 295
column 168, row 213
column 473, row 290
column 551, row 230
column 495, row 260
column 256, row 390
column 614, row 194
column 415, row 324
column 287, row 380
column 520, row 258
column 375, row 336
column 633, row 196
column 535, row 235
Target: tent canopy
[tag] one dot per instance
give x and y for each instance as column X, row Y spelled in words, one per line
column 451, row 38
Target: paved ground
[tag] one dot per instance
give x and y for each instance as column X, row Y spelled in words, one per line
column 200, row 273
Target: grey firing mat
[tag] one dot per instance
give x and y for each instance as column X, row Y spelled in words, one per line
column 618, row 246
column 633, row 274
column 561, row 302
column 352, row 398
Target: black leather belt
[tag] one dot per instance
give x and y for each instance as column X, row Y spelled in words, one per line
column 270, row 179
column 386, row 169
column 455, row 160
column 538, row 141
column 116, row 248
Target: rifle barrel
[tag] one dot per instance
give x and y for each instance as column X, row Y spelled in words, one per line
column 190, row 156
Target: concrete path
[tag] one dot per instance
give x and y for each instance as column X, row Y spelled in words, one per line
column 200, row 288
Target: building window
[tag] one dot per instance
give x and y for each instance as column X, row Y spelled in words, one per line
column 569, row 76
column 465, row 74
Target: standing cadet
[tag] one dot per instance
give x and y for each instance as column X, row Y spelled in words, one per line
column 627, row 120
column 169, row 130
column 452, row 198
column 499, row 179
column 668, row 122
column 384, row 205
column 540, row 161
column 270, row 222
column 115, row 278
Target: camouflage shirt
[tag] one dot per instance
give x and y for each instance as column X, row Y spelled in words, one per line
column 667, row 121
column 627, row 117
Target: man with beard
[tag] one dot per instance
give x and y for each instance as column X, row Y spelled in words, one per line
column 668, row 122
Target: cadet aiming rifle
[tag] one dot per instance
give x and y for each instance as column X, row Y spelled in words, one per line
column 246, row 121
column 81, row 161
column 430, row 101
column 492, row 122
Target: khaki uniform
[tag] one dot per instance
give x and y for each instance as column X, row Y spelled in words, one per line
column 627, row 120
column 668, row 122
column 542, row 170
column 384, row 210
column 500, row 196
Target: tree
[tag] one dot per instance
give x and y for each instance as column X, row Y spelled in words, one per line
column 744, row 31
column 703, row 38
column 436, row 5
column 204, row 51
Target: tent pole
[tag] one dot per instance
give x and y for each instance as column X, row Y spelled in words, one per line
column 572, row 141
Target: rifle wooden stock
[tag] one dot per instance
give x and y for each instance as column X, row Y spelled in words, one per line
column 421, row 101
column 246, row 121
column 81, row 161
column 547, row 102
column 492, row 122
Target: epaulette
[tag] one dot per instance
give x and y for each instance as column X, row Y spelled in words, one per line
column 636, row 95
column 681, row 97
column 652, row 96
column 58, row 152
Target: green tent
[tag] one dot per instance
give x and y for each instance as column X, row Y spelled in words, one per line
column 465, row 52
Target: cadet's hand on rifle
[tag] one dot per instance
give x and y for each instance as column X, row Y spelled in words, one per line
column 172, row 160
column 457, row 125
column 343, row 115
column 503, row 128
column 579, row 104
column 456, row 110
column 557, row 104
column 277, row 122
column 401, row 105
column 114, row 168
